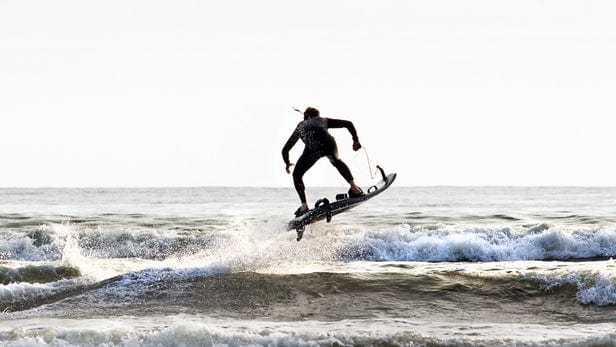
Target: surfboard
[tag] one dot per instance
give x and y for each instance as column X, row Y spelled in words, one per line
column 324, row 209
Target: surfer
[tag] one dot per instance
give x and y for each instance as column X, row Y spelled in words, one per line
column 318, row 144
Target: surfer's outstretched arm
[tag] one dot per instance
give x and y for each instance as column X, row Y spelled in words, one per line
column 287, row 147
column 340, row 123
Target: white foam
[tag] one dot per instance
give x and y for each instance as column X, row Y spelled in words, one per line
column 205, row 331
column 18, row 246
column 455, row 243
column 594, row 286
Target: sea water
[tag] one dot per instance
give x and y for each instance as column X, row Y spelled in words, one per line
column 216, row 266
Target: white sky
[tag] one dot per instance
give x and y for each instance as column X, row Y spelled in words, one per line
column 199, row 93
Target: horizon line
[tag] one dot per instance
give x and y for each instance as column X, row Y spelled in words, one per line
column 318, row 187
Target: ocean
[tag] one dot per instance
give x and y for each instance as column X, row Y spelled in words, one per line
column 416, row 266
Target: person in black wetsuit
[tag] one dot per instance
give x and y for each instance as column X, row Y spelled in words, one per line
column 318, row 144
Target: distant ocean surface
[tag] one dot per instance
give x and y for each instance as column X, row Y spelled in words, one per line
column 214, row 266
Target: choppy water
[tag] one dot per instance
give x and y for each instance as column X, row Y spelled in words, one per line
column 209, row 266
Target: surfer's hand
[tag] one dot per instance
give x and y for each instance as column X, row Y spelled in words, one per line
column 356, row 146
column 289, row 167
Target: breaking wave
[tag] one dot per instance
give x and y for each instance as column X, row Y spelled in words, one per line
column 480, row 244
column 432, row 243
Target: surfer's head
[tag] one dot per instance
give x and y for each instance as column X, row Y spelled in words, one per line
column 311, row 112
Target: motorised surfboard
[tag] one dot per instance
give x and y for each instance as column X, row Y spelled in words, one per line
column 323, row 209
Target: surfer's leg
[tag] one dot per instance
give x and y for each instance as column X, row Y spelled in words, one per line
column 304, row 163
column 345, row 172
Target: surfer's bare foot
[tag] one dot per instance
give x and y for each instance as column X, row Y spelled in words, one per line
column 355, row 191
column 301, row 210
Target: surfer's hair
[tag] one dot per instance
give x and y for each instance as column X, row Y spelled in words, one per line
column 311, row 112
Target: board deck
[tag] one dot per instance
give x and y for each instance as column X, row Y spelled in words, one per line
column 324, row 209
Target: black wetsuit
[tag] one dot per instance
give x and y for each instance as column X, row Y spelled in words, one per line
column 319, row 143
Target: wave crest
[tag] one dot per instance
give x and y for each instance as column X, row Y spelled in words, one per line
column 480, row 244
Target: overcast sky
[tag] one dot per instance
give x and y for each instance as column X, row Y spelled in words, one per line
column 199, row 93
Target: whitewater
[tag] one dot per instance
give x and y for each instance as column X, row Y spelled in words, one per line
column 215, row 266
